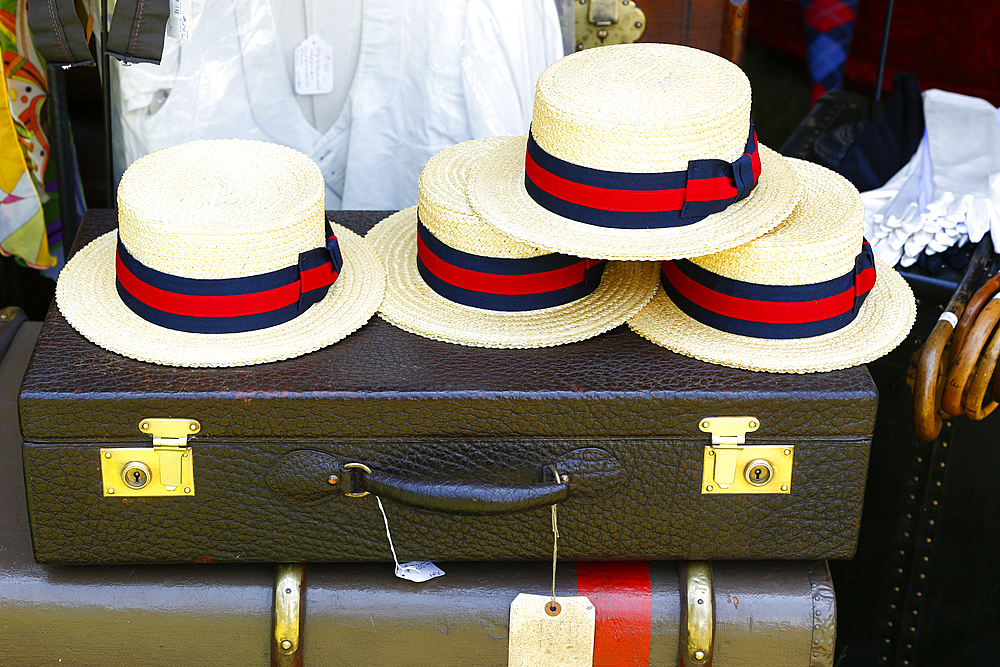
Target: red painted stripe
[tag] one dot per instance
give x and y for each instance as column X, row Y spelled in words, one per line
column 492, row 283
column 206, row 306
column 621, row 596
column 622, row 201
column 750, row 310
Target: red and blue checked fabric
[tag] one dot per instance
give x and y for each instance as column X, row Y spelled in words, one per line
column 829, row 26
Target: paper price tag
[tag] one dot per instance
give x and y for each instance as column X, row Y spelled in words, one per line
column 418, row 571
column 179, row 22
column 541, row 635
column 313, row 67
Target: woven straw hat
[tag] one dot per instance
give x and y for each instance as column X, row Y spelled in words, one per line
column 221, row 235
column 819, row 242
column 459, row 238
column 635, row 152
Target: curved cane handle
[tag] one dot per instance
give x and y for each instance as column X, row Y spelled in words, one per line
column 926, row 421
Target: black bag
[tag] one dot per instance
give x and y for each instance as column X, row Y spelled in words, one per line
column 467, row 446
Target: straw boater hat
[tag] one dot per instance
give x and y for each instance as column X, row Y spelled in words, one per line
column 454, row 278
column 221, row 258
column 637, row 151
column 799, row 299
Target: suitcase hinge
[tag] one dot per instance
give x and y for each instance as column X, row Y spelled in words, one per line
column 288, row 609
column 765, row 468
column 166, row 469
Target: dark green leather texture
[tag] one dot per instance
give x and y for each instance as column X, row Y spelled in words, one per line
column 432, row 411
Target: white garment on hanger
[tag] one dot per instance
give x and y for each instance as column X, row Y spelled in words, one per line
column 429, row 74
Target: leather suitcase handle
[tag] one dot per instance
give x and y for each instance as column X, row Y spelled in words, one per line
column 462, row 497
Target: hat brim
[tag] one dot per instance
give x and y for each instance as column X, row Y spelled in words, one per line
column 413, row 306
column 496, row 192
column 87, row 297
column 882, row 323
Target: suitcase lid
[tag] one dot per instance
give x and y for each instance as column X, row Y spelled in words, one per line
column 383, row 382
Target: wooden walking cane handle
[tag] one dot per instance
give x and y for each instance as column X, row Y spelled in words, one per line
column 976, row 303
column 926, row 420
column 967, row 356
column 975, row 408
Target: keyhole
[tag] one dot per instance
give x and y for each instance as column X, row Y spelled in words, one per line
column 136, row 475
column 756, row 473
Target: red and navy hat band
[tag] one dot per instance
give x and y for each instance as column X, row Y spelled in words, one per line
column 769, row 311
column 494, row 283
column 639, row 200
column 227, row 305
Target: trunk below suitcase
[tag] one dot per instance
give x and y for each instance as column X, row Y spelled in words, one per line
column 443, row 424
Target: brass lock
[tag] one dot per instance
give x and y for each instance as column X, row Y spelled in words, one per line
column 135, row 474
column 758, row 472
column 602, row 22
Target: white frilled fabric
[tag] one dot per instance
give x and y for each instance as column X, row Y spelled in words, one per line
column 410, row 79
column 949, row 191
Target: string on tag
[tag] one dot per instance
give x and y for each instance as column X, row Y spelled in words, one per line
column 386, row 520
column 555, row 551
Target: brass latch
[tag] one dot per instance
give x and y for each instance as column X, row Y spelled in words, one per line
column 601, row 22
column 732, row 466
column 165, row 469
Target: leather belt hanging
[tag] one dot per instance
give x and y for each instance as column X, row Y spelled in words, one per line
column 137, row 31
column 58, row 34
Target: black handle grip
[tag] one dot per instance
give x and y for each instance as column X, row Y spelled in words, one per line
column 462, row 497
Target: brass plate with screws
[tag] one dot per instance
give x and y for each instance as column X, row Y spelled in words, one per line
column 114, row 461
column 603, row 22
column 746, row 460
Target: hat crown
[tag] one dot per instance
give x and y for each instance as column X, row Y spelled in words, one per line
column 221, row 208
column 444, row 207
column 818, row 241
column 642, row 108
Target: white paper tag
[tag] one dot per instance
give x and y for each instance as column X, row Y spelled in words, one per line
column 950, row 318
column 313, row 67
column 179, row 23
column 540, row 635
column 418, row 571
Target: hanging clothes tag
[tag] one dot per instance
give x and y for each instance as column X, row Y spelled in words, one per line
column 554, row 634
column 313, row 67
column 179, row 23
column 418, row 571
column 549, row 630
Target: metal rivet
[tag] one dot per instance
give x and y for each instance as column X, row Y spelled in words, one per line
column 706, row 424
column 187, row 489
column 923, row 576
column 579, row 47
column 784, row 487
column 905, row 535
column 788, row 452
column 711, row 453
column 110, row 490
column 288, row 591
column 602, row 34
column 184, row 455
column 625, row 2
column 919, row 594
column 753, row 423
column 816, row 627
column 699, row 655
column 815, row 654
column 107, row 455
column 145, row 426
column 934, row 502
column 638, row 24
column 892, row 606
column 332, row 479
column 944, row 444
column 193, row 427
column 285, row 644
column 709, row 487
column 565, row 479
column 700, row 601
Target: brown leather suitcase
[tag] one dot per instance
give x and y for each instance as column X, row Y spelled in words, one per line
column 780, row 614
column 461, row 444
